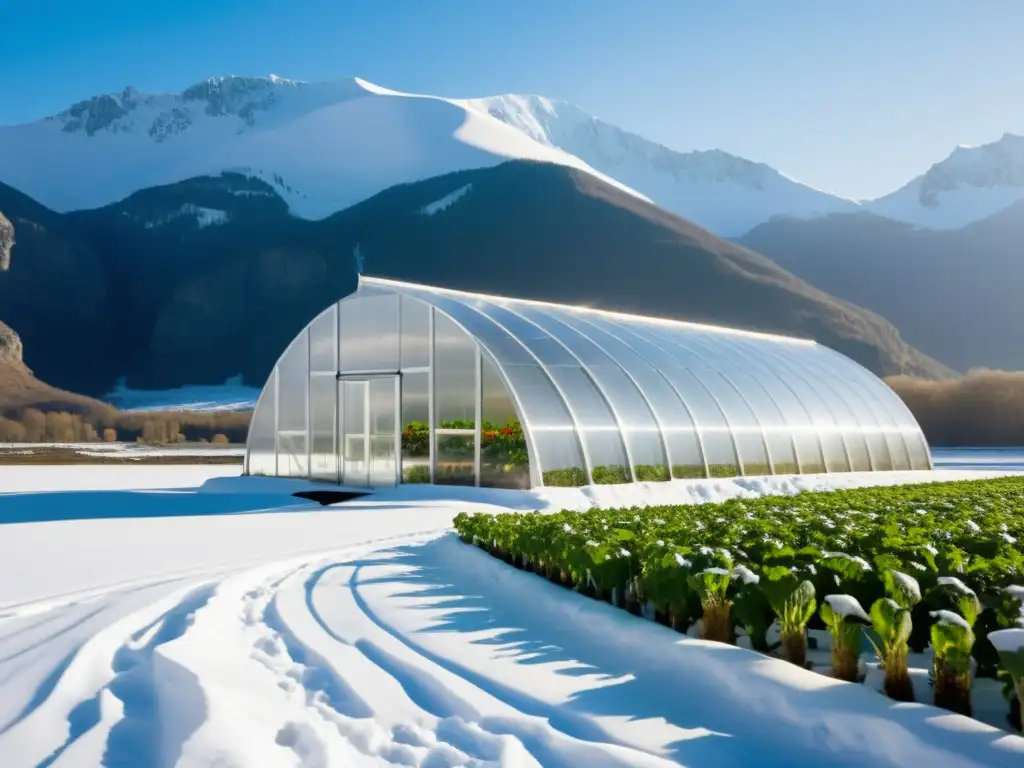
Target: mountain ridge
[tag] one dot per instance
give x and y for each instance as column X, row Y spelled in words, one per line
column 954, row 294
column 210, row 278
column 328, row 145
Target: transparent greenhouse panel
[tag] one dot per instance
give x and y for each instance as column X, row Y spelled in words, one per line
column 368, row 328
column 602, row 438
column 820, row 448
column 718, row 446
column 454, row 375
column 550, row 427
column 789, row 430
column 898, row 450
column 860, row 418
column 673, row 419
column 354, row 433
column 260, row 447
column 595, row 422
column 628, row 404
column 751, row 383
column 889, row 408
column 743, row 422
column 791, row 394
column 834, row 417
column 455, row 460
column 323, row 341
column 323, row 459
column 415, row 428
column 383, row 408
column 292, row 460
column 542, row 409
column 292, row 384
column 504, row 458
column 415, row 344
column 292, row 391
column 918, row 451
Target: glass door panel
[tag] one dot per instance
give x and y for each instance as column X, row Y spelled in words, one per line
column 383, row 427
column 354, row 417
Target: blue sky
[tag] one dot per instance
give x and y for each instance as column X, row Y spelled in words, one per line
column 851, row 97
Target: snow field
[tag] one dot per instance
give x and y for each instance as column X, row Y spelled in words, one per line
column 251, row 628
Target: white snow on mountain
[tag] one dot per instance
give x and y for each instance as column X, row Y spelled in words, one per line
column 203, row 217
column 971, row 184
column 725, row 193
column 446, row 202
column 326, row 146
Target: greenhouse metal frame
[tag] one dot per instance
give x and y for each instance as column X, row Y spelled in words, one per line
column 402, row 383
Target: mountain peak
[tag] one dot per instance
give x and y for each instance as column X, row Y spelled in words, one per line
column 998, row 164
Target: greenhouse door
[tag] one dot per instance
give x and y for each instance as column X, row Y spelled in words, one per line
column 368, row 428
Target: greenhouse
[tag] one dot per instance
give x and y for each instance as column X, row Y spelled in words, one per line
column 401, row 383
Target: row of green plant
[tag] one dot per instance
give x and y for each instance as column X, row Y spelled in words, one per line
column 652, row 473
column 902, row 567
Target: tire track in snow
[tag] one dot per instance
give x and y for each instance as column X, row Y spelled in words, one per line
column 469, row 712
column 77, row 696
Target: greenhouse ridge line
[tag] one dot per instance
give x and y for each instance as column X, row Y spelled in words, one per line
column 624, row 316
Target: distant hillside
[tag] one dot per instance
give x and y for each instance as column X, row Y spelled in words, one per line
column 955, row 295
column 212, row 277
column 19, row 388
column 217, row 277
column 53, row 290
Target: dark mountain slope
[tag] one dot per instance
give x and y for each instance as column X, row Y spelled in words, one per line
column 53, row 290
column 956, row 295
column 212, row 277
column 522, row 229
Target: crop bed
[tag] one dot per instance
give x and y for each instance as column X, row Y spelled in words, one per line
column 894, row 569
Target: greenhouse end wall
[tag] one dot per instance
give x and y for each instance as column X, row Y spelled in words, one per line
column 400, row 383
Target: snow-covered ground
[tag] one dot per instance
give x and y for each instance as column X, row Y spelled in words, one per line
column 124, row 450
column 183, row 616
column 232, row 395
column 1008, row 459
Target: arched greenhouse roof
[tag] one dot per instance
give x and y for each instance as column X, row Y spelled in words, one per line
column 625, row 397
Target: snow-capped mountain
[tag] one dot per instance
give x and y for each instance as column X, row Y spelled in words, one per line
column 323, row 146
column 326, row 146
column 971, row 184
column 723, row 192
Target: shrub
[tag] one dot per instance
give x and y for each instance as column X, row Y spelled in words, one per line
column 11, row 431
column 570, row 477
column 610, row 474
column 651, row 473
column 688, row 471
column 418, row 473
column 786, row 468
column 722, row 470
column 980, row 408
column 220, row 439
column 110, row 435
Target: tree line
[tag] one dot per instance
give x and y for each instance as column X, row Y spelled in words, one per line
column 31, row 425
